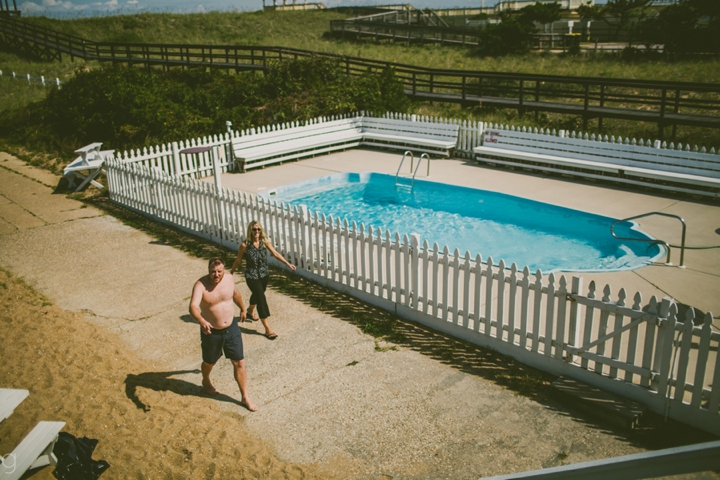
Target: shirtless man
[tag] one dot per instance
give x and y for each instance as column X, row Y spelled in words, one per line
column 211, row 305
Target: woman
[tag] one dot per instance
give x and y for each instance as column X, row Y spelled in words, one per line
column 254, row 249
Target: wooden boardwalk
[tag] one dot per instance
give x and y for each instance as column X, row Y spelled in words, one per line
column 587, row 113
column 667, row 104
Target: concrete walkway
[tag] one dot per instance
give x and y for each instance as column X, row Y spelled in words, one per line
column 426, row 408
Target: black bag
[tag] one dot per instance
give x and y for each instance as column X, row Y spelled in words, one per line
column 74, row 457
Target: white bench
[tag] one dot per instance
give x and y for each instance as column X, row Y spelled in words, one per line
column 87, row 166
column 428, row 137
column 260, row 149
column 10, row 398
column 36, row 449
column 655, row 167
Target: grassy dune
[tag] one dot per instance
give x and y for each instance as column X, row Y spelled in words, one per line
column 308, row 30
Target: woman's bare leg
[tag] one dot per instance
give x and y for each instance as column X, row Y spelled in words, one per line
column 268, row 333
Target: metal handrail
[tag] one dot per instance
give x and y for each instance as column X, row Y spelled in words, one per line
column 655, row 242
column 426, row 157
column 412, row 157
column 414, row 172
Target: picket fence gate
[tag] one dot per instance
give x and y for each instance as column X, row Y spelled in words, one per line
column 641, row 351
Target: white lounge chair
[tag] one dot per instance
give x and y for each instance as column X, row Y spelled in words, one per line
column 87, row 166
column 36, row 449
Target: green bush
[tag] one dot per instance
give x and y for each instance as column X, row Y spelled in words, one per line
column 513, row 34
column 509, row 37
column 131, row 107
column 689, row 26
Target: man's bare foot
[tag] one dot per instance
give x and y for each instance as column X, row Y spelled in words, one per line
column 209, row 388
column 249, row 405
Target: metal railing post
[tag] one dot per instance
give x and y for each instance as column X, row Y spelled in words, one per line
column 661, row 242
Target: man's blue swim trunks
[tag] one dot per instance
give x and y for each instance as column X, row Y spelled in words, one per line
column 227, row 340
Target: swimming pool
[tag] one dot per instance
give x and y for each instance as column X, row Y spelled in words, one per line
column 517, row 230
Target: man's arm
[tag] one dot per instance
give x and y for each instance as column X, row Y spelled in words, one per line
column 195, row 312
column 237, row 298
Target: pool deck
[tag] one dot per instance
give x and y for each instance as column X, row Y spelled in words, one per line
column 362, row 408
column 696, row 285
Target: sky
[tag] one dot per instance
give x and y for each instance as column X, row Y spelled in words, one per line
column 104, row 7
column 84, row 8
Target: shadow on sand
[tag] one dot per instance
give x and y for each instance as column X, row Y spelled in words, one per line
column 161, row 382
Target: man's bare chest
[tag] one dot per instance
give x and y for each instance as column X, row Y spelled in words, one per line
column 217, row 295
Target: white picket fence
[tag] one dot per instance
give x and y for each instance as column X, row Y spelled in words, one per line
column 167, row 157
column 641, row 351
column 41, row 80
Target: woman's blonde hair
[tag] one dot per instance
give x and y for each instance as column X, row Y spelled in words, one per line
column 249, row 236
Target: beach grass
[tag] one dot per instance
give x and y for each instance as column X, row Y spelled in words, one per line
column 308, row 30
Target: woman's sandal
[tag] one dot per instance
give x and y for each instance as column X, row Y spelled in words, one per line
column 271, row 336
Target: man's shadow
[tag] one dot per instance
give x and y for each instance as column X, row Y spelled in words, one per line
column 161, row 382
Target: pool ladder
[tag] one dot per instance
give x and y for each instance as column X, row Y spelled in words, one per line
column 655, row 242
column 405, row 187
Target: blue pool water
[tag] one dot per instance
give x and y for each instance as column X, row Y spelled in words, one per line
column 521, row 231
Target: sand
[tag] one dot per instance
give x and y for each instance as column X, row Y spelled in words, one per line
column 149, row 425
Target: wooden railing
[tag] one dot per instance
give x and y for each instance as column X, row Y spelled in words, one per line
column 408, row 33
column 6, row 11
column 664, row 103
